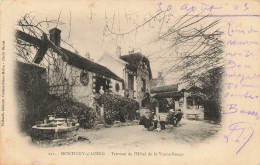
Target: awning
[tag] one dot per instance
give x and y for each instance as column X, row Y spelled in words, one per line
column 168, row 94
column 165, row 88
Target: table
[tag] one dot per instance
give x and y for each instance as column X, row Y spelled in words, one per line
column 196, row 115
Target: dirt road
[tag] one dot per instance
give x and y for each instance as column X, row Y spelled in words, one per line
column 189, row 132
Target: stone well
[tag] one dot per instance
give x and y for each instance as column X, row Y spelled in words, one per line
column 54, row 136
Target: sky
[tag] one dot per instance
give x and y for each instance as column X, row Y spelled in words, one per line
column 84, row 27
column 99, row 26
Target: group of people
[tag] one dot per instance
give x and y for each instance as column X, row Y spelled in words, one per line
column 152, row 121
column 174, row 117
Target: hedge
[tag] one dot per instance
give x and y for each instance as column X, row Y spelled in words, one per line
column 117, row 107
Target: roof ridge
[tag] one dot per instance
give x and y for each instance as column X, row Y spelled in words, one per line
column 96, row 68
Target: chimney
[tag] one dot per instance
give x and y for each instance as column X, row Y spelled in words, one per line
column 76, row 52
column 87, row 55
column 55, row 36
column 118, row 51
column 131, row 51
column 161, row 79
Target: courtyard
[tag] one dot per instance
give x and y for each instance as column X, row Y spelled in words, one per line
column 189, row 132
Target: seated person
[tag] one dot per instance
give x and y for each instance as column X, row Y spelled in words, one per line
column 179, row 115
column 147, row 119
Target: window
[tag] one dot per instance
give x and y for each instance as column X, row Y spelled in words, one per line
column 117, row 87
column 144, row 85
column 102, row 82
column 130, row 81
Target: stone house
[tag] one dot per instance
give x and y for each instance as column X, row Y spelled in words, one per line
column 75, row 76
column 135, row 71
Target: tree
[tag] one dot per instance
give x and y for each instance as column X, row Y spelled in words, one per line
column 198, row 49
column 193, row 43
column 32, row 40
column 199, row 58
column 194, row 51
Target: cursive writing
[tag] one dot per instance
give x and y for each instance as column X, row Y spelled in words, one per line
column 233, row 108
column 246, row 95
column 242, row 131
column 234, row 29
column 245, row 53
column 242, row 76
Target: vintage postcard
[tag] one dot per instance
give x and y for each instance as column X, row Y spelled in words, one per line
column 130, row 82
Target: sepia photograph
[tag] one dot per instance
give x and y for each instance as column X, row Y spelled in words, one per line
column 114, row 81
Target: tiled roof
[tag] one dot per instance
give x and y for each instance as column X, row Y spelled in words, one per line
column 72, row 58
column 85, row 64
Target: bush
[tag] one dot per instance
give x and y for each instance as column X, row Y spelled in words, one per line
column 68, row 108
column 118, row 108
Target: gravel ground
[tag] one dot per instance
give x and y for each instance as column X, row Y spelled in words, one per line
column 189, row 132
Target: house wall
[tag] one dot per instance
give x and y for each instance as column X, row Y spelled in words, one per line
column 65, row 81
column 114, row 65
column 57, row 72
column 118, row 67
column 138, row 94
column 113, row 87
column 80, row 92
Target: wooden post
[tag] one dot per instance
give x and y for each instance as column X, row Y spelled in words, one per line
column 42, row 43
column 193, row 102
column 157, row 110
column 102, row 112
column 176, row 105
column 184, row 102
column 42, row 50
